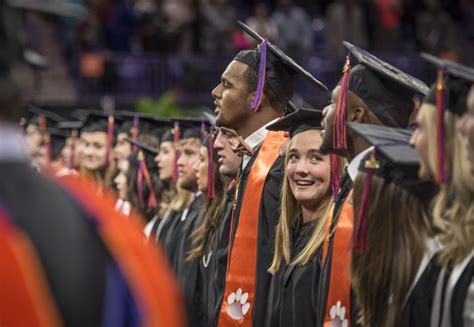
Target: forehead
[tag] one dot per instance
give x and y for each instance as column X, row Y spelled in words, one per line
column 203, row 150
column 166, row 145
column 307, row 140
column 191, row 143
column 235, row 72
column 94, row 136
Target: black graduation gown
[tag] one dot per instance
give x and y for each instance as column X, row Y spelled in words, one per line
column 71, row 253
column 460, row 292
column 417, row 309
column 167, row 230
column 292, row 298
column 187, row 271
column 213, row 265
column 323, row 288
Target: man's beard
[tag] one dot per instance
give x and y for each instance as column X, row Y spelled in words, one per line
column 188, row 184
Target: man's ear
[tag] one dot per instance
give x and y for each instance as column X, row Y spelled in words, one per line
column 357, row 115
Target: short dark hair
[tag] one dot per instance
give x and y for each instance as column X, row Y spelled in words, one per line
column 251, row 77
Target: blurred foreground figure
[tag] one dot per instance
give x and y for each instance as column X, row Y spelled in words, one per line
column 67, row 259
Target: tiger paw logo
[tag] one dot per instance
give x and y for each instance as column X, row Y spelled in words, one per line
column 237, row 304
column 338, row 315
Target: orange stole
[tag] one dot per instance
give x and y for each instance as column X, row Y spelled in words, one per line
column 340, row 279
column 25, row 296
column 142, row 264
column 243, row 260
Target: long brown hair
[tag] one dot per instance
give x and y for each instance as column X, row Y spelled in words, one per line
column 215, row 207
column 397, row 225
column 290, row 217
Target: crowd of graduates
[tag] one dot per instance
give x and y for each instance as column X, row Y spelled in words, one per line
column 264, row 214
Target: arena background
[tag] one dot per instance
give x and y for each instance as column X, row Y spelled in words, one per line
column 165, row 56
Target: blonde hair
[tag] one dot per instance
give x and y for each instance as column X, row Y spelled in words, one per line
column 290, row 217
column 453, row 206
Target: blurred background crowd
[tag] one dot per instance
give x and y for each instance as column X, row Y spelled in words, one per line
column 151, row 54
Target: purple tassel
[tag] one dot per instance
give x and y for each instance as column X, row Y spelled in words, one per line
column 262, row 67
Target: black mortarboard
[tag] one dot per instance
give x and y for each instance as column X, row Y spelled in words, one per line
column 37, row 114
column 191, row 127
column 144, row 124
column 299, row 121
column 457, row 79
column 81, row 114
column 393, row 160
column 97, row 121
column 147, row 148
column 387, row 91
column 70, row 125
column 275, row 69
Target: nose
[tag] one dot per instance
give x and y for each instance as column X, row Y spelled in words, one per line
column 86, row 150
column 196, row 167
column 302, row 168
column 180, row 161
column 156, row 159
column 216, row 93
column 218, row 144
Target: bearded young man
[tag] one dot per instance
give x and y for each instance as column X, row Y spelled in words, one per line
column 372, row 92
column 254, row 92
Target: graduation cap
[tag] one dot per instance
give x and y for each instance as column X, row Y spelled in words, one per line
column 275, row 69
column 392, row 159
column 449, row 92
column 145, row 147
column 385, row 89
column 42, row 118
column 299, row 121
column 136, row 123
column 191, row 128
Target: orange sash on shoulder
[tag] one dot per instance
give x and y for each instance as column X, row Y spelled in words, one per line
column 25, row 297
column 338, row 305
column 143, row 264
column 239, row 293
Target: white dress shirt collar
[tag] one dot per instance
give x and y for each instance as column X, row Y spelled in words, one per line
column 256, row 138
